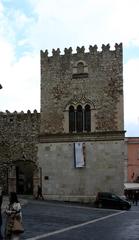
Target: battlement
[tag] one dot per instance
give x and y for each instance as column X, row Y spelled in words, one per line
column 22, row 117
column 81, row 50
column 15, row 113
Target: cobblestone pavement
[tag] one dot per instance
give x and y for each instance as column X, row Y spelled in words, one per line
column 64, row 221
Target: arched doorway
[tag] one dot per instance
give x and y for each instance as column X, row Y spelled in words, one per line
column 24, row 177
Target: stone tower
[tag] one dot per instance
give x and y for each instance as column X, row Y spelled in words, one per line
column 81, row 145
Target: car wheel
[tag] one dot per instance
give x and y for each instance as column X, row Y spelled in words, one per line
column 100, row 205
column 124, row 208
column 128, row 208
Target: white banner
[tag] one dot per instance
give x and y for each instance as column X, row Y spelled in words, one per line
column 79, row 153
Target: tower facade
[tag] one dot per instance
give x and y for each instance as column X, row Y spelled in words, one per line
column 81, row 143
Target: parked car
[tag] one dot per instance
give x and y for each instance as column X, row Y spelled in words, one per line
column 111, row 200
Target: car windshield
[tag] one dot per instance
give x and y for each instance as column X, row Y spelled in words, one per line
column 114, row 196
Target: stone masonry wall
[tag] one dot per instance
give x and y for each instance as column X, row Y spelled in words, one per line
column 102, row 84
column 18, row 139
column 103, row 170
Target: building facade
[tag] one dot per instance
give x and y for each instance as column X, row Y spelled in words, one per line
column 81, row 141
column 132, row 145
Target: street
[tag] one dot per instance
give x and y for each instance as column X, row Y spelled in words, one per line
column 65, row 221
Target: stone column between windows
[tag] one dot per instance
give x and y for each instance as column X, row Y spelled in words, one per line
column 93, row 120
column 66, row 121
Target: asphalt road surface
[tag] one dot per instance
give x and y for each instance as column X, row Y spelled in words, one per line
column 64, row 221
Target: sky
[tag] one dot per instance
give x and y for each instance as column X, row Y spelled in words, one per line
column 28, row 26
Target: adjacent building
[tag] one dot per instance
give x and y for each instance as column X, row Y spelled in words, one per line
column 132, row 145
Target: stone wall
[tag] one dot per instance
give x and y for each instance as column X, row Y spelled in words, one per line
column 103, row 170
column 18, row 139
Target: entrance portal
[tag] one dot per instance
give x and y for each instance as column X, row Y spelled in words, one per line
column 24, row 177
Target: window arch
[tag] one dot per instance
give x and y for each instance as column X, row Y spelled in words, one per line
column 80, row 118
column 80, row 67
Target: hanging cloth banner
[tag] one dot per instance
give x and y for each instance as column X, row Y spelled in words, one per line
column 79, row 154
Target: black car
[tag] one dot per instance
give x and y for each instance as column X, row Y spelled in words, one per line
column 111, row 200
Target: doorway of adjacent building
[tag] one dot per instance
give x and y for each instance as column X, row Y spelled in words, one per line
column 24, row 178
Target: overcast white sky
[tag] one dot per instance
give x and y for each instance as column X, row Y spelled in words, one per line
column 27, row 26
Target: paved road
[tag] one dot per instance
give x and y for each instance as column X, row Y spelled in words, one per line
column 62, row 221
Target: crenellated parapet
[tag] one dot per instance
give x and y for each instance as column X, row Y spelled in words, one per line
column 118, row 49
column 56, row 52
column 8, row 119
column 93, row 49
column 15, row 113
column 44, row 54
column 68, row 51
column 105, row 48
column 81, row 50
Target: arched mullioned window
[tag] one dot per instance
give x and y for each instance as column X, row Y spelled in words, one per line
column 87, row 118
column 79, row 119
column 71, row 119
